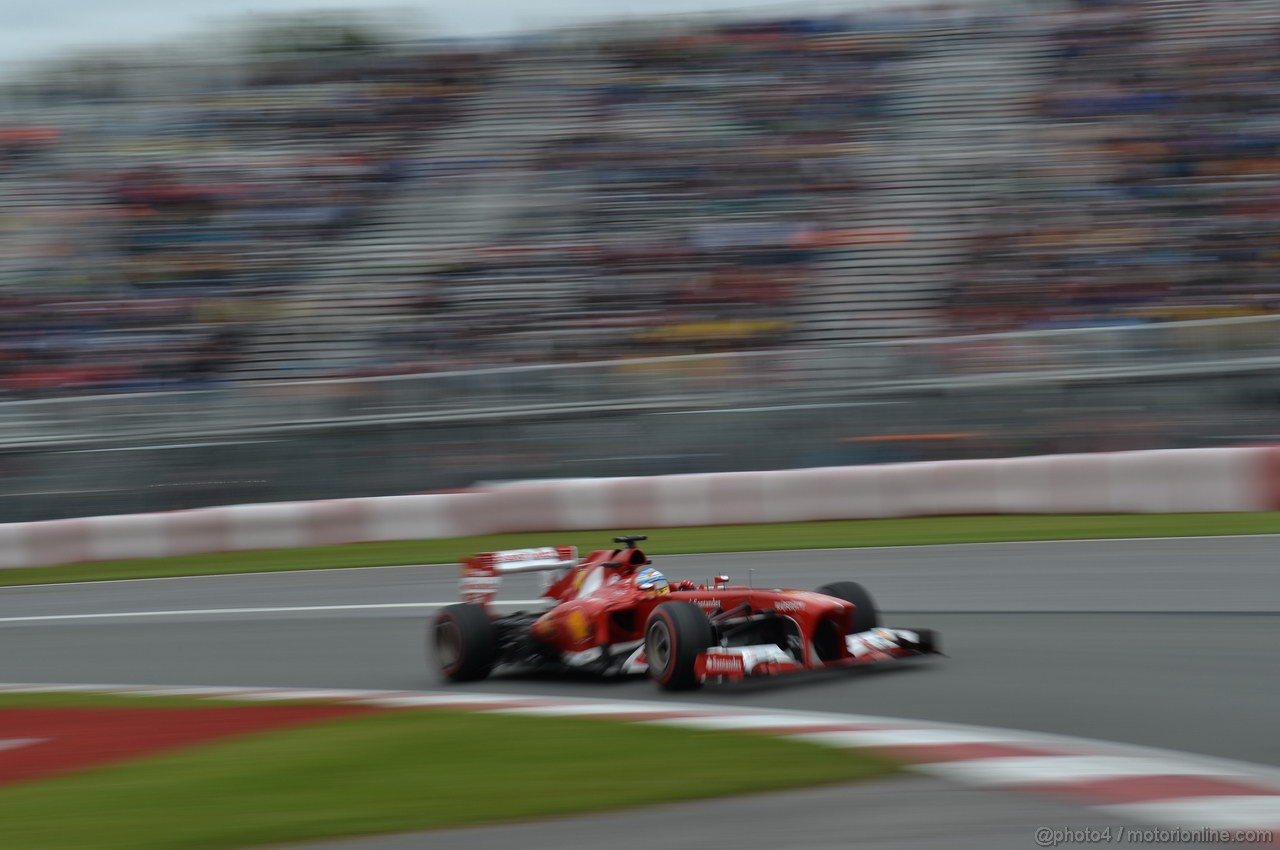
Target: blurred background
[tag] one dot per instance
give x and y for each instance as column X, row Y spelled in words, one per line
column 327, row 254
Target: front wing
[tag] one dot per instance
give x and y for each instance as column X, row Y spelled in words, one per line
column 734, row 663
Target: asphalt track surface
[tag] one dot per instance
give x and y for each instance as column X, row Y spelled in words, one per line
column 1166, row 643
column 903, row 813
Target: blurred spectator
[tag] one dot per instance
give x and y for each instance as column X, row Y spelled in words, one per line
column 683, row 205
column 138, row 251
column 1159, row 194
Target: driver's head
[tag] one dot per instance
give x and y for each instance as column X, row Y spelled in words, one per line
column 652, row 582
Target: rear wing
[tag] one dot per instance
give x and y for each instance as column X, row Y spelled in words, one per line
column 482, row 574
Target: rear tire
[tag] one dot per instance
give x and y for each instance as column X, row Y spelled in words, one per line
column 674, row 636
column 867, row 616
column 464, row 642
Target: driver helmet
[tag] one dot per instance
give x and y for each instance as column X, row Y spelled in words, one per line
column 652, row 582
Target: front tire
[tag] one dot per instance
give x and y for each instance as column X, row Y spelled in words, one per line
column 674, row 636
column 866, row 616
column 464, row 642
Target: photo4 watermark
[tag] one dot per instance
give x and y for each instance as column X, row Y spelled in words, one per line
column 1048, row 836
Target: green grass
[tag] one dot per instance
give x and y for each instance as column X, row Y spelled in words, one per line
column 398, row 771
column 669, row 541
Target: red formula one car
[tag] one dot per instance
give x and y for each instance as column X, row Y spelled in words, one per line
column 613, row 613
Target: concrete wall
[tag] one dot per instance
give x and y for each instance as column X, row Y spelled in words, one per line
column 1173, row 481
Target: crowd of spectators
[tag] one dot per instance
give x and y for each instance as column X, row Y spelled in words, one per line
column 139, row 251
column 686, row 219
column 718, row 164
column 1157, row 191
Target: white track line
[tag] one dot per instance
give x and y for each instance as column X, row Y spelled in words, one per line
column 906, row 737
column 260, row 573
column 1245, row 812
column 728, row 723
column 1017, row 770
column 281, row 696
column 453, row 565
column 426, row 700
column 55, row 689
column 14, row 743
column 162, row 691
column 584, row 710
column 192, row 612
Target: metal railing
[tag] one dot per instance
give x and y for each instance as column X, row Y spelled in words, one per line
column 767, row 378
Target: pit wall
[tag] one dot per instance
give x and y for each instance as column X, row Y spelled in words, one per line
column 1170, row 481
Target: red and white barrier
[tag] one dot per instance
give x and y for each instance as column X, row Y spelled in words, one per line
column 1176, row 481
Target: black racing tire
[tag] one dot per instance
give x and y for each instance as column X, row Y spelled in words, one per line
column 464, row 642
column 675, row 634
column 866, row 616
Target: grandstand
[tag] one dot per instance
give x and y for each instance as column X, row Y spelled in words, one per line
column 693, row 187
column 1156, row 191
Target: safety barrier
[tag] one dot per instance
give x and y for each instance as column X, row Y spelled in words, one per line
column 1170, row 481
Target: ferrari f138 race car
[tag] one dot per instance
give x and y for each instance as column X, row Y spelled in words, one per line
column 613, row 613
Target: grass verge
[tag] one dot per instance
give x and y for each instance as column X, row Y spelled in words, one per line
column 670, row 541
column 397, row 771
